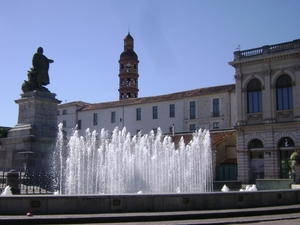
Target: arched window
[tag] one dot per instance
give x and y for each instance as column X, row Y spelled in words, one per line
column 257, row 160
column 256, row 143
column 286, row 142
column 284, row 92
column 254, row 96
column 286, row 146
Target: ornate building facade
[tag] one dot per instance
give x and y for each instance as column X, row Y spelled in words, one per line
column 268, row 112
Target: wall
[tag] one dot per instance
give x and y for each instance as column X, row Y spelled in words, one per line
column 58, row 204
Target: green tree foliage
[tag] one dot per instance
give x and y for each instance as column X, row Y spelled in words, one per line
column 3, row 132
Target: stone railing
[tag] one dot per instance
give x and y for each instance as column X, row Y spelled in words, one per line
column 268, row 49
column 25, row 183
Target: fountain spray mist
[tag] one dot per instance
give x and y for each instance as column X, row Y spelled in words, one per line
column 119, row 163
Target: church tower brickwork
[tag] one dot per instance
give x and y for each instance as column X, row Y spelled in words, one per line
column 128, row 70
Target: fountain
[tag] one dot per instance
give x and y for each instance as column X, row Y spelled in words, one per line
column 122, row 174
column 121, row 164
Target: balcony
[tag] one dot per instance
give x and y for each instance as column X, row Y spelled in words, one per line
column 268, row 49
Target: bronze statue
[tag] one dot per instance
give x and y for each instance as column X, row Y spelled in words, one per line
column 38, row 75
column 294, row 158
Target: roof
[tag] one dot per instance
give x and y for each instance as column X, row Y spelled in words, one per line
column 215, row 137
column 75, row 103
column 159, row 98
column 218, row 137
column 128, row 54
column 128, row 36
column 229, row 161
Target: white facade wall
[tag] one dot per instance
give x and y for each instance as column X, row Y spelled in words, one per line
column 204, row 111
column 69, row 118
column 147, row 123
column 125, row 115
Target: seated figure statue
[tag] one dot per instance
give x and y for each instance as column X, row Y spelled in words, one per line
column 38, row 75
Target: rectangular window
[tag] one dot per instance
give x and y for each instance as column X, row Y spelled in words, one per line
column 79, row 124
column 57, row 112
column 95, row 119
column 154, row 112
column 254, row 101
column 172, row 110
column 216, row 125
column 64, row 123
column 113, row 117
column 138, row 114
column 64, row 112
column 216, row 111
column 192, row 110
column 192, row 126
column 284, row 98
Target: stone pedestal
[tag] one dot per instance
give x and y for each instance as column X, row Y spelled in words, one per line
column 29, row 142
column 12, row 180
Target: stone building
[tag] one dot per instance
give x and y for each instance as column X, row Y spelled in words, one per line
column 268, row 113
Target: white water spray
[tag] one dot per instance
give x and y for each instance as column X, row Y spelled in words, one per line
column 141, row 164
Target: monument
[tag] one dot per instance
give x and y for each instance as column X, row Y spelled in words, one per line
column 29, row 141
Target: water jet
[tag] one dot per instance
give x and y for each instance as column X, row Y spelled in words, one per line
column 120, row 163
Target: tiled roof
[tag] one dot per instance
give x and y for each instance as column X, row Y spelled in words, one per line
column 215, row 137
column 220, row 136
column 167, row 97
column 229, row 161
column 75, row 103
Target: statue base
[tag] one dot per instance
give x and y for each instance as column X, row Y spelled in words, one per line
column 30, row 141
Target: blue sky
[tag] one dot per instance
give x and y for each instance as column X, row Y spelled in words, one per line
column 181, row 44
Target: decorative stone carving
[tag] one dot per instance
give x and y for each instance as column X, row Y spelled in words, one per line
column 240, row 129
column 266, row 72
column 296, row 67
column 269, row 121
column 237, row 76
column 284, row 114
column 257, row 116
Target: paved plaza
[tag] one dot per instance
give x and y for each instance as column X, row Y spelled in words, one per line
column 282, row 215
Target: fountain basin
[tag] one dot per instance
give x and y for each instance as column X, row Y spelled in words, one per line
column 272, row 184
column 89, row 204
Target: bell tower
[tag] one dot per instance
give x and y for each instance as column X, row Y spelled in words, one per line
column 128, row 70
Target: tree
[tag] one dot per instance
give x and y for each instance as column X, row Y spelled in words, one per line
column 3, row 132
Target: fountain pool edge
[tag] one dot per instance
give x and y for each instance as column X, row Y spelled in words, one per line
column 88, row 204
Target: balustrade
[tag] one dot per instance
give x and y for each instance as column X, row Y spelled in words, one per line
column 268, row 49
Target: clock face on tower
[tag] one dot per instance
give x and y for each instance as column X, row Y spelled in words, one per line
column 128, row 65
